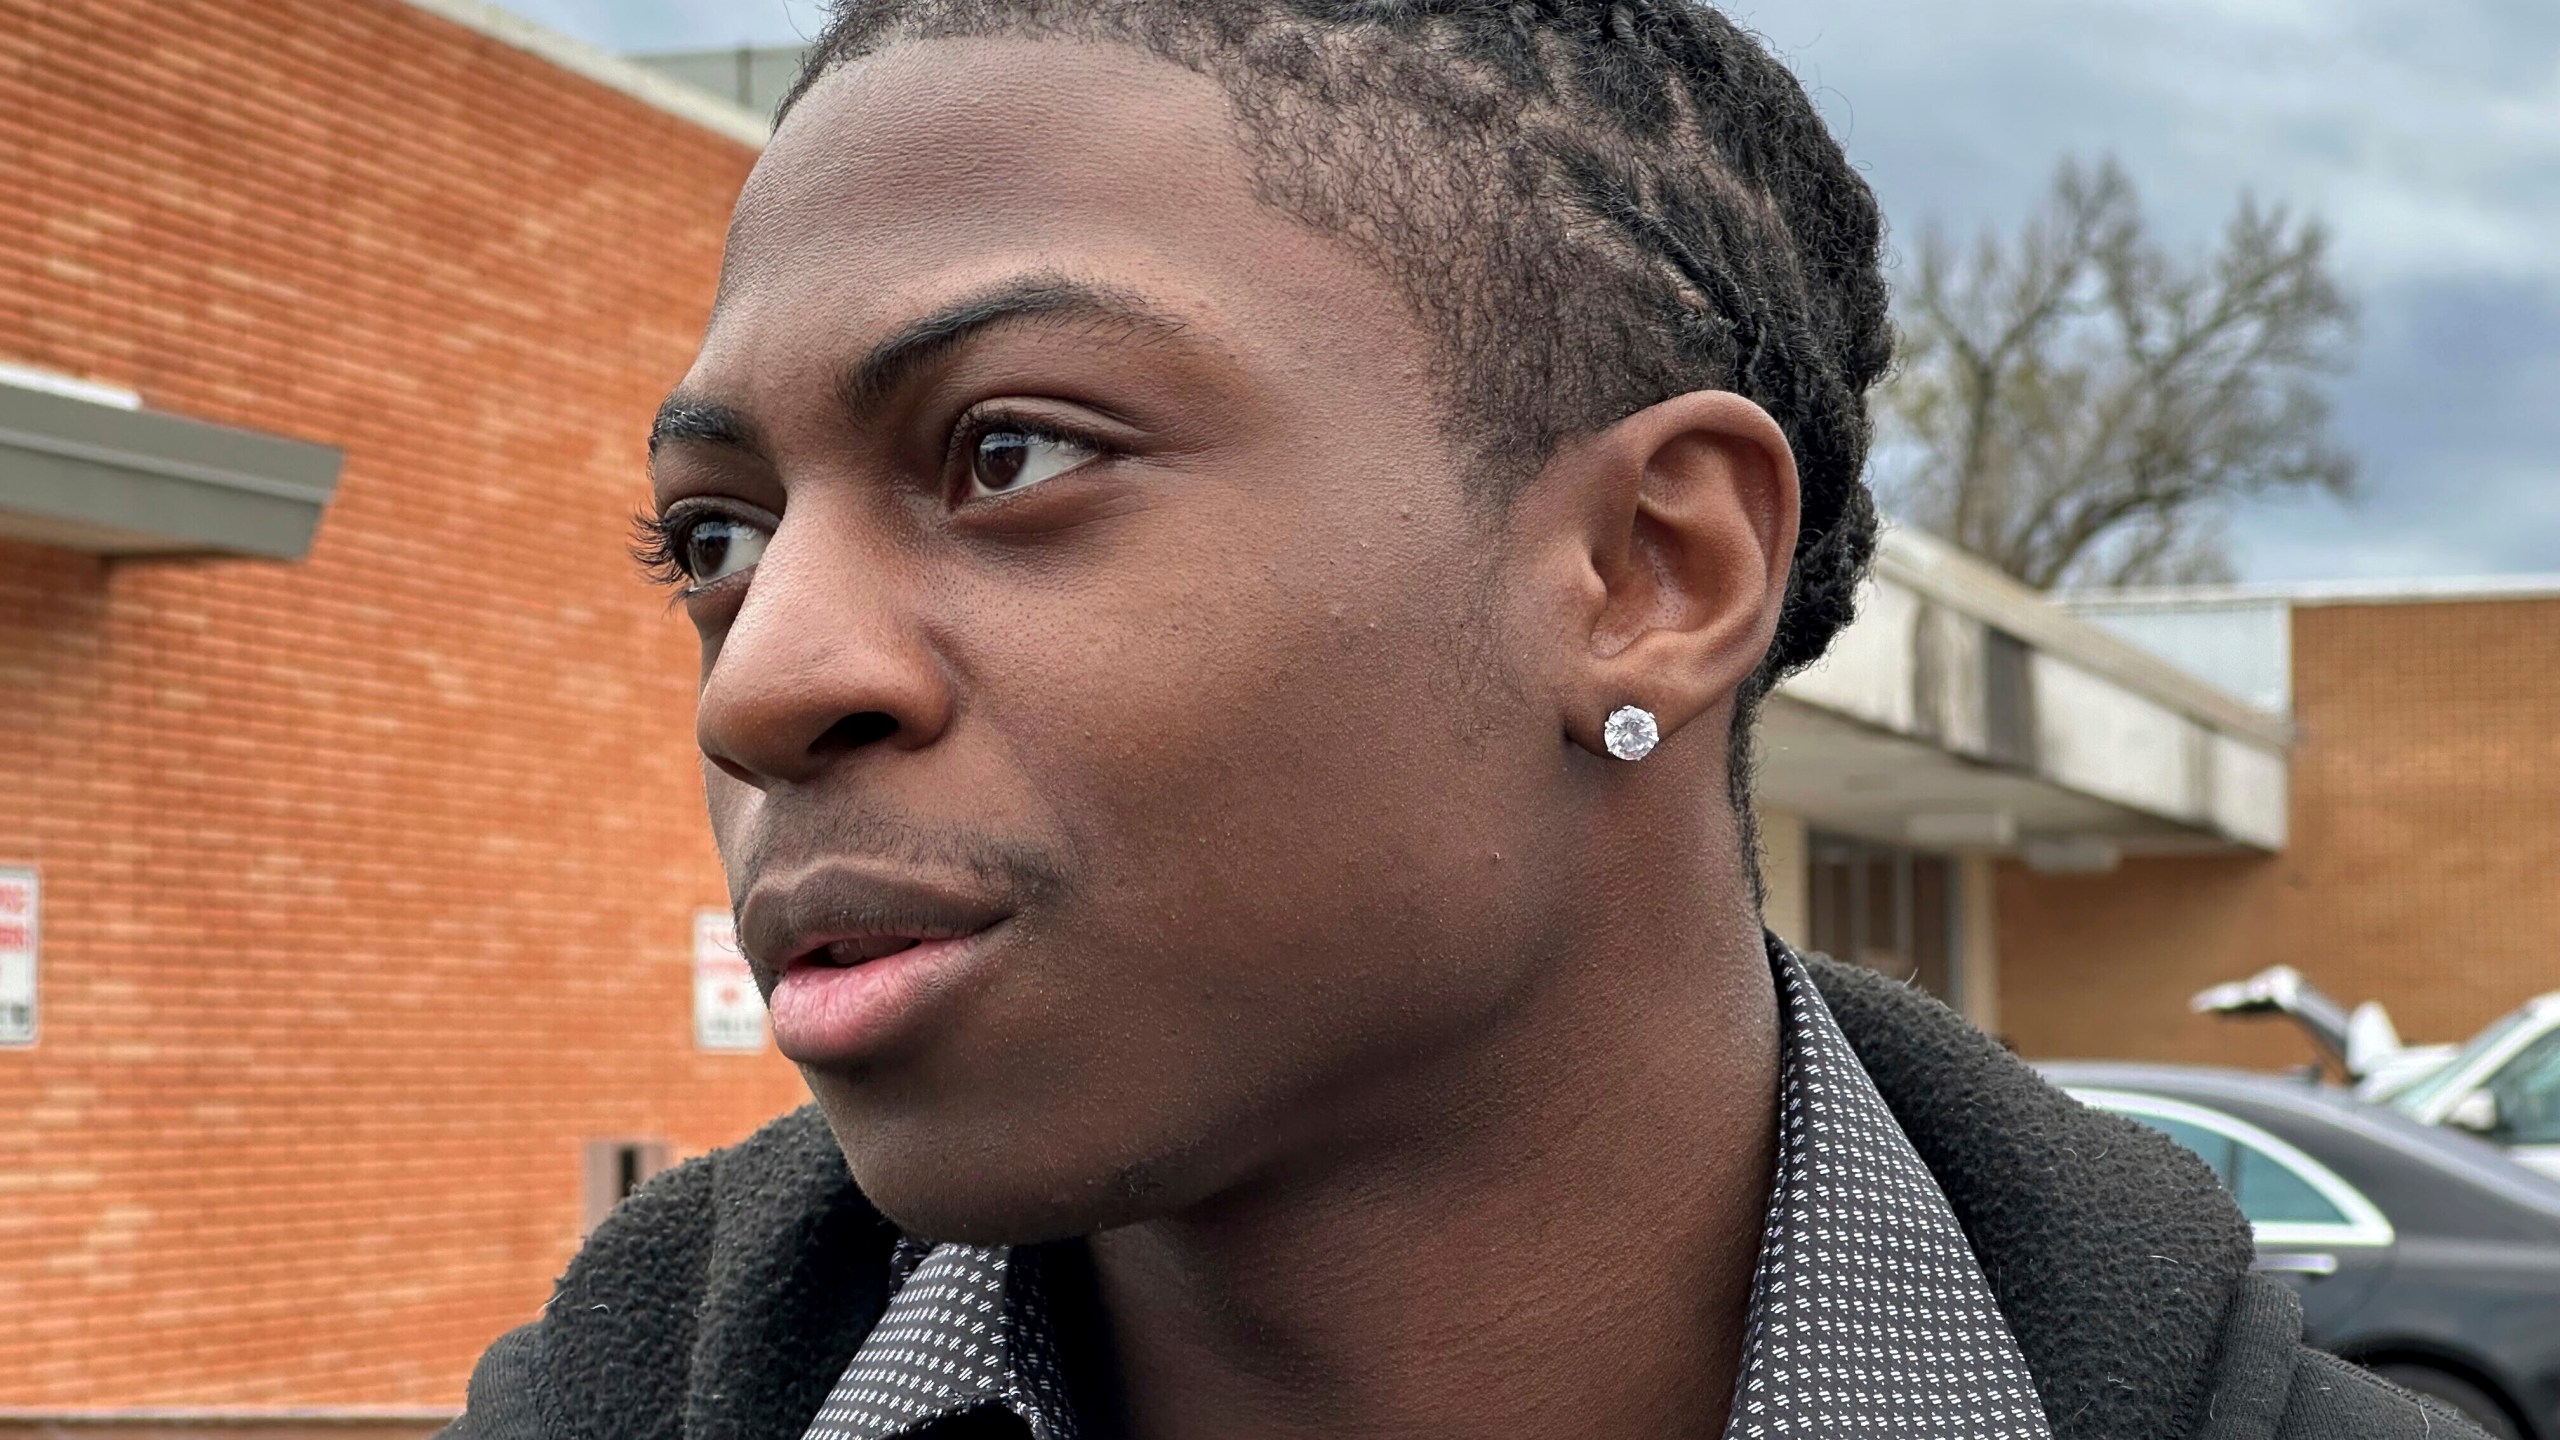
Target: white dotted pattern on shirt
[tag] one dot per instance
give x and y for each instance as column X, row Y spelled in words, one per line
column 959, row 1334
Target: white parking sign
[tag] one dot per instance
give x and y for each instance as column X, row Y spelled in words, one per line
column 17, row 957
column 728, row 1014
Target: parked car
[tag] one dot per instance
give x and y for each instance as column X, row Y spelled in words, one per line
column 2503, row 1084
column 2420, row 1252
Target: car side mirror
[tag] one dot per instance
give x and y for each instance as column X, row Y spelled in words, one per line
column 2477, row 1112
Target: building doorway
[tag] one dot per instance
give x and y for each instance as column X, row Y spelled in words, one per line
column 1888, row 908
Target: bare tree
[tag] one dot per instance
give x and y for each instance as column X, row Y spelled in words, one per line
column 2078, row 406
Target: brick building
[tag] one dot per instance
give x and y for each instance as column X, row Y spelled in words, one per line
column 2422, row 864
column 349, row 776
column 368, row 878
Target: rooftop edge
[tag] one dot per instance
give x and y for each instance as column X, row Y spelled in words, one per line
column 2318, row 592
column 1943, row 573
column 605, row 68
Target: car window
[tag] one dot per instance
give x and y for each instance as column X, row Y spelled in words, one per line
column 2290, row 1197
column 2216, row 1149
column 2528, row 1094
column 2270, row 1193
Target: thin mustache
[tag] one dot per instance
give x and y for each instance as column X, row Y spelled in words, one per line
column 775, row 926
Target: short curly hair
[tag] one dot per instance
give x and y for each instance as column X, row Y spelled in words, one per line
column 1592, row 207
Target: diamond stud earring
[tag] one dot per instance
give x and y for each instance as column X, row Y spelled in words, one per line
column 1631, row 733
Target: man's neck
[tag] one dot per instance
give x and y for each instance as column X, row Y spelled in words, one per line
column 1561, row 1240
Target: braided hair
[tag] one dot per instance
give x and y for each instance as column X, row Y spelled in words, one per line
column 1592, row 205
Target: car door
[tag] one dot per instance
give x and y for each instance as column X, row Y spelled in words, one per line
column 2316, row 1233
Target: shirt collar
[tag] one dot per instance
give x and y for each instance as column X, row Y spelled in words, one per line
column 1869, row 1315
column 968, row 1330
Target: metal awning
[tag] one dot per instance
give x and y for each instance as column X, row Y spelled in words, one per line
column 103, row 478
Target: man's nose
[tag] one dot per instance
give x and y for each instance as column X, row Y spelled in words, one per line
column 821, row 661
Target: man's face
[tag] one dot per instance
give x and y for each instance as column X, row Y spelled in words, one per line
column 1094, row 595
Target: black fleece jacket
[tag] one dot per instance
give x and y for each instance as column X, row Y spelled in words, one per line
column 722, row 1300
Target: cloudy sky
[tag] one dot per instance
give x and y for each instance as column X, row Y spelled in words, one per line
column 2427, row 132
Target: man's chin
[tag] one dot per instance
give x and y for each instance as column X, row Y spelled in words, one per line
column 947, row 1203
column 943, row 1184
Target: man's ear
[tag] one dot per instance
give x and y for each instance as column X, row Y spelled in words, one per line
column 1683, row 517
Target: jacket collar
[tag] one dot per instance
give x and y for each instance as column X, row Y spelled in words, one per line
column 2112, row 1251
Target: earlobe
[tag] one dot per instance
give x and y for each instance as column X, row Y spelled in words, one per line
column 1691, row 526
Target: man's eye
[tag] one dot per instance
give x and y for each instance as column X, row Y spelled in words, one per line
column 715, row 549
column 1004, row 461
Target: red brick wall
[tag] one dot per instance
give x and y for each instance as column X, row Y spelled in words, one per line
column 368, row 878
column 2423, row 871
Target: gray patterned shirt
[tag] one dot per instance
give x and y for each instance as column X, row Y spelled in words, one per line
column 1869, row 1318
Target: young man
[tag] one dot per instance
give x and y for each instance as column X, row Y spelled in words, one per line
column 1235, row 544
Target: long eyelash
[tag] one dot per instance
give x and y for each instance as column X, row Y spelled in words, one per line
column 654, row 548
column 979, row 426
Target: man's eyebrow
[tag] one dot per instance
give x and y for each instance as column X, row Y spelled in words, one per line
column 1046, row 298
column 688, row 420
column 683, row 419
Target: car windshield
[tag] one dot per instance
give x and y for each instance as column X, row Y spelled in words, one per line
column 2415, row 1100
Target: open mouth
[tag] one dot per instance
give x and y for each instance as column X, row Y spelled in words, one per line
column 857, row 950
column 844, row 954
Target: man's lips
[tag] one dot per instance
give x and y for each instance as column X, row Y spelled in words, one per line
column 855, row 957
column 843, row 1014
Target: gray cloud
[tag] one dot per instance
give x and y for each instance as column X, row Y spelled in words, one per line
column 2456, row 411
column 2424, row 132
column 2427, row 132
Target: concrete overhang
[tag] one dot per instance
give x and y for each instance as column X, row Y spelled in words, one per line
column 1964, row 711
column 87, row 474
